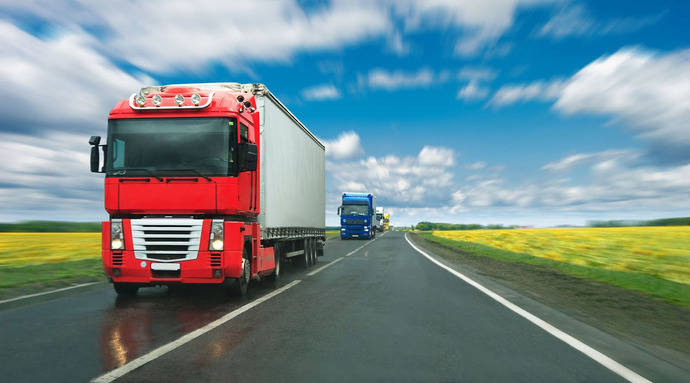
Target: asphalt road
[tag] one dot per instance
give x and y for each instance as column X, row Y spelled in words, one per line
column 381, row 313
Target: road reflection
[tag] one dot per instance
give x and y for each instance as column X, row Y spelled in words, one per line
column 158, row 315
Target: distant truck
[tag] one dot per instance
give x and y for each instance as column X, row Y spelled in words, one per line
column 208, row 184
column 357, row 216
column 379, row 219
column 386, row 222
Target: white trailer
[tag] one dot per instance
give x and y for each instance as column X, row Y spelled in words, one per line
column 293, row 178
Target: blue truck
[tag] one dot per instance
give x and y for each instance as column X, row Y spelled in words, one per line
column 357, row 216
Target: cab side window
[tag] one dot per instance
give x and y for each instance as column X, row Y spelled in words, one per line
column 244, row 133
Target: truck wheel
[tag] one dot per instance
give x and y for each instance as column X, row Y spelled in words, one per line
column 278, row 258
column 314, row 255
column 241, row 285
column 305, row 259
column 125, row 289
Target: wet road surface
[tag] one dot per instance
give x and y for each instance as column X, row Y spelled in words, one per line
column 380, row 313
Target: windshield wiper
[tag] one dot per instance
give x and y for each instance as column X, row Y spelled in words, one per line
column 207, row 178
column 144, row 169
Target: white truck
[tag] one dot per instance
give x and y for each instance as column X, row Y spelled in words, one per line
column 379, row 219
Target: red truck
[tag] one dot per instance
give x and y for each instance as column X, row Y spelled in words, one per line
column 208, row 184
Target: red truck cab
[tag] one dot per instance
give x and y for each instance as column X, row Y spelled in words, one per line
column 182, row 177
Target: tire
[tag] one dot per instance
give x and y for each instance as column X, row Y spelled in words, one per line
column 314, row 252
column 305, row 259
column 240, row 286
column 278, row 258
column 125, row 289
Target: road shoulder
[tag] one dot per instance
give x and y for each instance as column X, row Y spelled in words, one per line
column 648, row 334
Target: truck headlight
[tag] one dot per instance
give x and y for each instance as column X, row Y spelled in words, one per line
column 117, row 240
column 366, row 228
column 215, row 242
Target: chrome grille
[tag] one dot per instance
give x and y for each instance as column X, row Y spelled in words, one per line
column 166, row 239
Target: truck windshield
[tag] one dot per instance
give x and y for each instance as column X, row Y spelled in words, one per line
column 379, row 217
column 355, row 210
column 172, row 147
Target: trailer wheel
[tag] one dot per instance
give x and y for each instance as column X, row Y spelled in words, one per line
column 278, row 258
column 314, row 255
column 305, row 259
column 125, row 289
column 241, row 284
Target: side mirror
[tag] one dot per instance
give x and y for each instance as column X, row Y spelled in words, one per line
column 339, row 208
column 248, row 157
column 94, row 141
column 95, row 159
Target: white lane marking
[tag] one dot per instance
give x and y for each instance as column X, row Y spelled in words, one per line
column 326, row 265
column 160, row 351
column 597, row 356
column 360, row 248
column 341, row 258
column 47, row 292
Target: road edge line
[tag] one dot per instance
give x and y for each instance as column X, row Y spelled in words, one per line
column 48, row 292
column 593, row 354
column 166, row 348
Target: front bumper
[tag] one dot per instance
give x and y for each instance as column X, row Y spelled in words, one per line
column 355, row 232
column 122, row 266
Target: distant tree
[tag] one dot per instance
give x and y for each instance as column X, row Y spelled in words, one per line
column 51, row 227
column 428, row 226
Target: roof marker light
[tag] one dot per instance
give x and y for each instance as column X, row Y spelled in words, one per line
column 179, row 99
column 196, row 99
column 157, row 100
column 140, row 100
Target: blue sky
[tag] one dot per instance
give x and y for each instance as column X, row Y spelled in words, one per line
column 530, row 112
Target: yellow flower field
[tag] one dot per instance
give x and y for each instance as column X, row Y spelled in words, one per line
column 662, row 251
column 20, row 249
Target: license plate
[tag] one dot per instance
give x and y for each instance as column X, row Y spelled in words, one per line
column 165, row 266
column 355, row 235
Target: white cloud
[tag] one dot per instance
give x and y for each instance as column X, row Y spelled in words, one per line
column 473, row 91
column 574, row 160
column 397, row 45
column 576, row 21
column 477, row 73
column 160, row 36
column 476, row 166
column 614, row 182
column 482, row 23
column 321, row 92
column 346, row 146
column 649, row 91
column 383, row 79
column 436, row 156
column 420, row 181
column 48, row 178
column 538, row 90
column 61, row 80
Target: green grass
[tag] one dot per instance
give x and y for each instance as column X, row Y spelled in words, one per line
column 332, row 233
column 50, row 273
column 670, row 291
